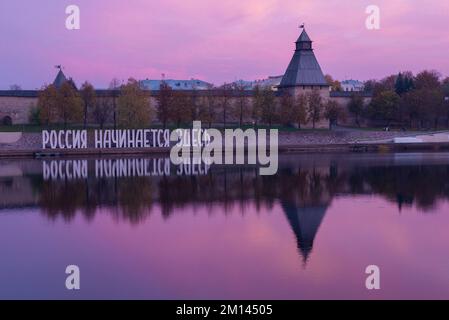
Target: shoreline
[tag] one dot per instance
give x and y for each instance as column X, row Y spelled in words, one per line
column 29, row 145
column 369, row 147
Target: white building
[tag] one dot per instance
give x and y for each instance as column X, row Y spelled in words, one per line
column 352, row 85
column 193, row 84
column 273, row 82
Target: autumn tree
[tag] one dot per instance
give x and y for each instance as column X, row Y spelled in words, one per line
column 269, row 110
column 47, row 105
column 334, row 84
column 89, row 96
column 293, row 110
column 356, row 107
column 287, row 105
column 180, row 108
column 134, row 107
column 70, row 104
column 427, row 80
column 333, row 112
column 314, row 107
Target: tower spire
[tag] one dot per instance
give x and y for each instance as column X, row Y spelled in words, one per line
column 304, row 69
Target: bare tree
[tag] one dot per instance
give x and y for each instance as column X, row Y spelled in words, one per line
column 241, row 107
column 114, row 86
column 89, row 96
column 207, row 106
column 15, row 87
column 314, row 107
column 102, row 110
column 164, row 100
column 225, row 93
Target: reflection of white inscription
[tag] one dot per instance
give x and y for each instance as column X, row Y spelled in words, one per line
column 120, row 168
column 64, row 169
column 109, row 168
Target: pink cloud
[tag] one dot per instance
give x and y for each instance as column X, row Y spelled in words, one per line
column 219, row 41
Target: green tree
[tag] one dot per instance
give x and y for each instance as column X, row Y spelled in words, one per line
column 385, row 106
column 400, row 84
column 134, row 107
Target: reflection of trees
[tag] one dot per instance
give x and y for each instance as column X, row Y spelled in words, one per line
column 301, row 187
column 405, row 185
column 135, row 197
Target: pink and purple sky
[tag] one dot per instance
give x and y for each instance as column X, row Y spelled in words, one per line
column 216, row 41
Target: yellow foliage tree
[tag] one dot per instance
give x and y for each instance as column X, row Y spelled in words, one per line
column 134, row 106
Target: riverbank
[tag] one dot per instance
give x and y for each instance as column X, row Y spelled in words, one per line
column 29, row 144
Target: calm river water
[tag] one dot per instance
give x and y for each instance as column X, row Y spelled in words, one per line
column 142, row 228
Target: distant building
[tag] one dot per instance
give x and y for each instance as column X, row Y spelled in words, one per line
column 352, row 85
column 192, row 84
column 272, row 82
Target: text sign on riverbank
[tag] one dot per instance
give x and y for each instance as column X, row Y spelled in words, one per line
column 105, row 139
column 121, row 139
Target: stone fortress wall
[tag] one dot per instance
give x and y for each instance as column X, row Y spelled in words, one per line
column 19, row 107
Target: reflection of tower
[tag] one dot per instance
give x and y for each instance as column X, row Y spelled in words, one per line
column 305, row 222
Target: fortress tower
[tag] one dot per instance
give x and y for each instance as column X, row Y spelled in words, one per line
column 304, row 72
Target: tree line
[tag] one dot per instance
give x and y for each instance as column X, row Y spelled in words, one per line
column 129, row 105
column 405, row 100
column 124, row 105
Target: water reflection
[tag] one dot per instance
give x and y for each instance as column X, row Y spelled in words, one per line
column 305, row 186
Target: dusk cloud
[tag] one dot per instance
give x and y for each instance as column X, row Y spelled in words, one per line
column 217, row 41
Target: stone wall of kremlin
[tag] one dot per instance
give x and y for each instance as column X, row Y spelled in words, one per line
column 18, row 106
